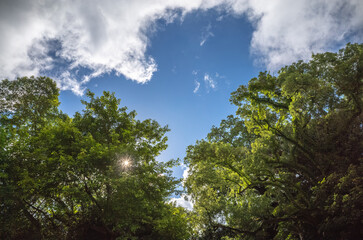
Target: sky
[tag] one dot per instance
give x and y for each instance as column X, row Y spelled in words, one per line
column 175, row 61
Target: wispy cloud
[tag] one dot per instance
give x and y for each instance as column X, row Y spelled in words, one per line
column 209, row 81
column 220, row 18
column 207, row 33
column 58, row 38
column 197, row 85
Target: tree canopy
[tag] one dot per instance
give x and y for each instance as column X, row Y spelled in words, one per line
column 289, row 164
column 93, row 176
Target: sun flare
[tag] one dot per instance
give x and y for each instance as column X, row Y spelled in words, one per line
column 126, row 163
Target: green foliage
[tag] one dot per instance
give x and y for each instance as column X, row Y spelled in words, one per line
column 93, row 176
column 289, row 164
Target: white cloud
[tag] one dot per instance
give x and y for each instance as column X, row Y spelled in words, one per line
column 67, row 81
column 207, row 33
column 112, row 36
column 184, row 201
column 197, row 85
column 186, row 173
column 101, row 36
column 220, row 18
column 286, row 31
column 209, row 81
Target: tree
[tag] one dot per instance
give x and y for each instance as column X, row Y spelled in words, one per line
column 289, row 164
column 25, row 106
column 93, row 176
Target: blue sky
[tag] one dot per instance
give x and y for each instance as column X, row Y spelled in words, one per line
column 191, row 89
column 175, row 61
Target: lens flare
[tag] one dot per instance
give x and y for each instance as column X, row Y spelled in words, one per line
column 126, row 163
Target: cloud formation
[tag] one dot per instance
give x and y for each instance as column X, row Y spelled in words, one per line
column 184, row 201
column 209, row 81
column 197, row 85
column 76, row 41
column 99, row 36
column 286, row 31
column 207, row 33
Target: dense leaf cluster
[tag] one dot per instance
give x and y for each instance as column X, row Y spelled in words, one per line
column 289, row 164
column 93, row 176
